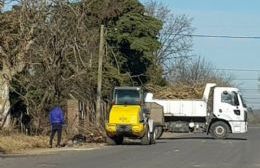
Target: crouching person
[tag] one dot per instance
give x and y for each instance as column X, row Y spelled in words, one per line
column 56, row 120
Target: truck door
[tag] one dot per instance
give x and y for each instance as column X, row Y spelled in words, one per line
column 230, row 107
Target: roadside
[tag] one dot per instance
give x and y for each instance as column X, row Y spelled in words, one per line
column 48, row 151
column 14, row 143
column 20, row 144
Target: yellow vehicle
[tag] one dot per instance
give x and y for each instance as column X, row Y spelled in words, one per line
column 129, row 118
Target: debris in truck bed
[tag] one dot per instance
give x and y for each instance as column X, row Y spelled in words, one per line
column 177, row 91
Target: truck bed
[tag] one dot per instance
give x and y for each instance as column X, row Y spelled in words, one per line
column 182, row 108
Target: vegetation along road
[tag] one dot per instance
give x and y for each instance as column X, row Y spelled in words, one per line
column 185, row 151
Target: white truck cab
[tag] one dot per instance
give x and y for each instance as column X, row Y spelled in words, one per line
column 220, row 111
column 229, row 106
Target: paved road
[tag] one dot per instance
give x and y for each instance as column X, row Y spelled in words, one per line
column 240, row 151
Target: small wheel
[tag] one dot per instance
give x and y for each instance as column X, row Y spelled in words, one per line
column 119, row 140
column 146, row 139
column 219, row 130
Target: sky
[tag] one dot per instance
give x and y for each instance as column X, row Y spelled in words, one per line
column 231, row 18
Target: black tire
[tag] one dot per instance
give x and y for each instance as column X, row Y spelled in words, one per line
column 153, row 138
column 119, row 140
column 158, row 132
column 219, row 130
column 146, row 139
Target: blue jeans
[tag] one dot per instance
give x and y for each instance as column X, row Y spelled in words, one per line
column 56, row 128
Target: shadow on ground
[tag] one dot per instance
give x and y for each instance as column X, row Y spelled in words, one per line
column 203, row 138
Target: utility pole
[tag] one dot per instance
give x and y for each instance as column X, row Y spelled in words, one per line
column 99, row 81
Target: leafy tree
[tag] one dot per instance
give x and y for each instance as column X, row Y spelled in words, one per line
column 135, row 37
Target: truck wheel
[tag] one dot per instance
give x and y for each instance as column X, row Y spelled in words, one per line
column 119, row 140
column 158, row 132
column 146, row 139
column 153, row 137
column 219, row 130
column 110, row 141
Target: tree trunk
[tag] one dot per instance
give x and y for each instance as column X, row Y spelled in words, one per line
column 4, row 98
column 4, row 104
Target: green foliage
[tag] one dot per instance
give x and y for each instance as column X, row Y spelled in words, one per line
column 135, row 36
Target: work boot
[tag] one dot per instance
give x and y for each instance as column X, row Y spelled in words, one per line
column 58, row 146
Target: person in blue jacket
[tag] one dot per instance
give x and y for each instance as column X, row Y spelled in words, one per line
column 56, row 120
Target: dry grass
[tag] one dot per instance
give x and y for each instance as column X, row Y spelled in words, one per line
column 254, row 118
column 13, row 142
column 18, row 142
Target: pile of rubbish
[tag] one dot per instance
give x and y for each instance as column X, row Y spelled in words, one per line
column 87, row 134
column 176, row 91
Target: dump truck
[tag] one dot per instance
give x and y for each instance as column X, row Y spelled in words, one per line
column 130, row 117
column 221, row 111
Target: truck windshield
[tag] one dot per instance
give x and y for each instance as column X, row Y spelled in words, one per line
column 125, row 96
column 243, row 101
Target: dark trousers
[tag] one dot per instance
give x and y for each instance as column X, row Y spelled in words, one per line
column 56, row 128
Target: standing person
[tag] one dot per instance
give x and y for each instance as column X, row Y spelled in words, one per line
column 56, row 120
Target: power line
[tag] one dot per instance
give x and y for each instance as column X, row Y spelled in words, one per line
column 225, row 36
column 251, row 89
column 214, row 36
column 246, row 79
column 239, row 70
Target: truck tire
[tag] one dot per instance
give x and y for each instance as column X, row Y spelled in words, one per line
column 153, row 137
column 146, row 139
column 158, row 132
column 119, row 140
column 219, row 130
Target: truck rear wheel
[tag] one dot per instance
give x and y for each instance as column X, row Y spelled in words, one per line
column 219, row 130
column 158, row 132
column 146, row 139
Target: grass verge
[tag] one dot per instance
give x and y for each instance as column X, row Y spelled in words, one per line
column 18, row 142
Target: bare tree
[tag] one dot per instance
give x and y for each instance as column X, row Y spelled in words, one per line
column 63, row 63
column 174, row 37
column 197, row 71
column 17, row 30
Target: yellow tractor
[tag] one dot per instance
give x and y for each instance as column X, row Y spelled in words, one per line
column 129, row 117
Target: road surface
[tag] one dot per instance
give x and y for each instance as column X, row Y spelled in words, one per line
column 189, row 151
